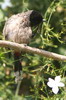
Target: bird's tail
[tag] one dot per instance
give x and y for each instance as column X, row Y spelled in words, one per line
column 17, row 66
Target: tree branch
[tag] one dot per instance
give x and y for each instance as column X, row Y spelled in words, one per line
column 22, row 47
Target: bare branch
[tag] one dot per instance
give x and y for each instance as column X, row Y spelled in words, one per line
column 22, row 47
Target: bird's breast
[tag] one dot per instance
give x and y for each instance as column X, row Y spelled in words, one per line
column 24, row 35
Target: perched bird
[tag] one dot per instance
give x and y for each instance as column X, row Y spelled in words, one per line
column 18, row 29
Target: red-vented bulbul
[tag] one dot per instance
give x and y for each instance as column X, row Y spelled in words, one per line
column 18, row 29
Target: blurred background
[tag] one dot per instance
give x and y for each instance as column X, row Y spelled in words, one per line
column 50, row 36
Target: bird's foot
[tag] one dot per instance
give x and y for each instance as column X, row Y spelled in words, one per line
column 25, row 44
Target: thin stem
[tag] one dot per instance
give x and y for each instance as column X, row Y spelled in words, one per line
column 18, row 87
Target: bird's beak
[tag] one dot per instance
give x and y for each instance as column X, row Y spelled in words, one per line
column 44, row 20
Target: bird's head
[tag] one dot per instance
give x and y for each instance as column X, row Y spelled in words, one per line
column 35, row 18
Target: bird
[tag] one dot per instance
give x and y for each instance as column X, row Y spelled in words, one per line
column 18, row 28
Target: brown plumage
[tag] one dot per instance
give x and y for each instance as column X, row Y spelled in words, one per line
column 18, row 29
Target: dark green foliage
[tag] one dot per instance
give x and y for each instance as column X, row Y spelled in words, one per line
column 50, row 36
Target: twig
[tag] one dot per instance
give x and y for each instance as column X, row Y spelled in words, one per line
column 18, row 86
column 28, row 49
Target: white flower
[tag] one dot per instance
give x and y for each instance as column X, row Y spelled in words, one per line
column 54, row 84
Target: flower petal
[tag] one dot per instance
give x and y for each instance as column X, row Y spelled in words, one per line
column 57, row 79
column 51, row 80
column 60, row 84
column 55, row 90
column 51, row 83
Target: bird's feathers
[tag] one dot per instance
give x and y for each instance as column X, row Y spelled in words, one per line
column 18, row 29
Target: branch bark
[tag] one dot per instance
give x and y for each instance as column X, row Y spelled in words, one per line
column 28, row 49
